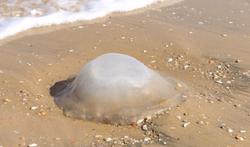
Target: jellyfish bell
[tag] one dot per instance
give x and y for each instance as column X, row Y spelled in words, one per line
column 118, row 89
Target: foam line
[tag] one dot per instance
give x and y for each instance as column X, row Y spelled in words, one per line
column 89, row 10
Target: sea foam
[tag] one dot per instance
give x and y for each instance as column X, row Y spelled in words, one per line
column 23, row 15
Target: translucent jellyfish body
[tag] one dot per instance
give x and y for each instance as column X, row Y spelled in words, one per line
column 118, row 89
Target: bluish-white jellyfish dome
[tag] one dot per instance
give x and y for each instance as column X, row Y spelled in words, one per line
column 118, row 89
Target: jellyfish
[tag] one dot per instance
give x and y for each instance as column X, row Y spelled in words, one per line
column 117, row 89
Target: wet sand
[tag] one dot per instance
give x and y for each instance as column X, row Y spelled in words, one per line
column 204, row 44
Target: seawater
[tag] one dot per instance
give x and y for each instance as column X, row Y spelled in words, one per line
column 20, row 15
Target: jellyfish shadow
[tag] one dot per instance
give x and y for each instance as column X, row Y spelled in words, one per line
column 58, row 87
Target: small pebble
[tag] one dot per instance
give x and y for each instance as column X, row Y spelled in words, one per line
column 144, row 127
column 237, row 105
column 186, row 124
column 98, row 136
column 224, row 35
column 237, row 137
column 42, row 113
column 186, row 66
column 139, row 121
column 178, row 117
column 108, row 139
column 33, row 107
column 243, row 131
column 57, row 138
column 237, row 61
column 200, row 23
column 153, row 61
column 170, row 60
column 211, row 61
column 219, row 82
column 200, row 122
column 6, row 101
column 229, row 130
column 179, row 85
column 146, row 139
column 32, row 145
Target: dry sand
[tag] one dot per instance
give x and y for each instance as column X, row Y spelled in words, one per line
column 205, row 44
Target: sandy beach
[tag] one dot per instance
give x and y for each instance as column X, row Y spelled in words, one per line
column 204, row 44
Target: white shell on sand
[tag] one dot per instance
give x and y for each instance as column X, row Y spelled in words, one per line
column 118, row 89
